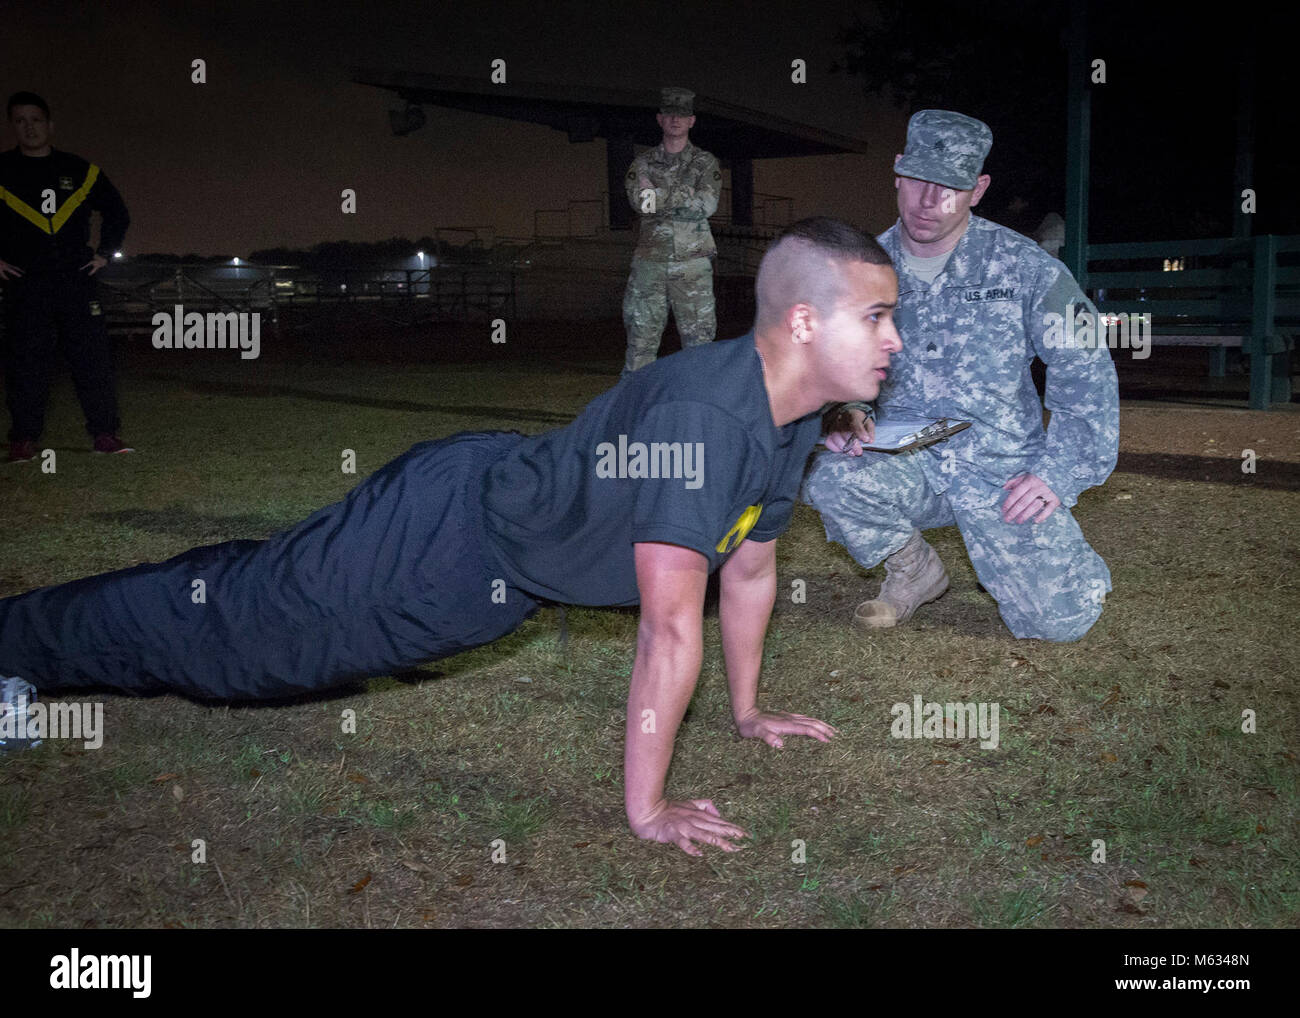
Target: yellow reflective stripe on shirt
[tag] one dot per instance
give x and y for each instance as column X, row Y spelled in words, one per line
column 26, row 211
column 75, row 199
column 742, row 528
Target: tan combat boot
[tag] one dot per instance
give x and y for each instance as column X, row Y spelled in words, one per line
column 914, row 575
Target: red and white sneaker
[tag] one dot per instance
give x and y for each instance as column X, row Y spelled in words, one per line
column 107, row 443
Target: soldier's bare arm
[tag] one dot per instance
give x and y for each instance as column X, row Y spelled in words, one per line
column 669, row 647
column 748, row 594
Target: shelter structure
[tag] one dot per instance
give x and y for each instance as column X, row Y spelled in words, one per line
column 735, row 134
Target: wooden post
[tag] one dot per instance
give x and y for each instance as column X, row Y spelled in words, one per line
column 1244, row 168
column 1077, row 145
column 1261, row 324
column 742, row 192
column 619, row 154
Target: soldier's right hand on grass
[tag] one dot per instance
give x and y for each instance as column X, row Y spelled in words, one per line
column 8, row 271
column 685, row 823
column 851, row 430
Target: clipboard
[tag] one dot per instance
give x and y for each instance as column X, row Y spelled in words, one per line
column 908, row 433
column 905, row 431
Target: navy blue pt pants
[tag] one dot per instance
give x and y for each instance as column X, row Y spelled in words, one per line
column 398, row 573
column 45, row 312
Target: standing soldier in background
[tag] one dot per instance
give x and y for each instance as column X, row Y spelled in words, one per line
column 674, row 187
column 46, row 270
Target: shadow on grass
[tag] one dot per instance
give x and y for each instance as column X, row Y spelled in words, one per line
column 178, row 521
column 494, row 413
column 1216, row 469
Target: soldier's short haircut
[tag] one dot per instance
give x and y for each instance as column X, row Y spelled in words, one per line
column 26, row 99
column 802, row 266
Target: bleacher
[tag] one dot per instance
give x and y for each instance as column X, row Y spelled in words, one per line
column 1220, row 294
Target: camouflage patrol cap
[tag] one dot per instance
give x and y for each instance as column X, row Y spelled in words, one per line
column 945, row 148
column 678, row 101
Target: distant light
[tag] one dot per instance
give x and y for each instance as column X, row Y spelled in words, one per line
column 419, row 254
column 236, row 261
column 117, row 254
column 343, row 286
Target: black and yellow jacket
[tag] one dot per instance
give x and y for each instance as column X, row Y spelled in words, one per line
column 45, row 206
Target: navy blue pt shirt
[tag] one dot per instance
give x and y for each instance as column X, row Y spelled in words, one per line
column 683, row 451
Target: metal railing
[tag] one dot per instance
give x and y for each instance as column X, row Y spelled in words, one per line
column 587, row 217
column 473, row 272
column 133, row 292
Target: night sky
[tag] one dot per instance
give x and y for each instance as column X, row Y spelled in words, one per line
column 257, row 157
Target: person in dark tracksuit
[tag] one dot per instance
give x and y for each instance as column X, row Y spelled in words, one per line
column 47, row 273
column 689, row 466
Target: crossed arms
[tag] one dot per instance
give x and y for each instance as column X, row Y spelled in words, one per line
column 693, row 198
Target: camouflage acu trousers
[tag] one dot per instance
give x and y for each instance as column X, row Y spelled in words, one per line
column 1048, row 582
column 651, row 287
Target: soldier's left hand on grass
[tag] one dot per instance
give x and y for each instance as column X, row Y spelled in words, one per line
column 770, row 726
column 1028, row 499
column 95, row 264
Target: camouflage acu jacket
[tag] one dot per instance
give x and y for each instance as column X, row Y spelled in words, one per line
column 968, row 340
column 686, row 190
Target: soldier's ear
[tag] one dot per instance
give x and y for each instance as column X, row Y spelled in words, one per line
column 801, row 319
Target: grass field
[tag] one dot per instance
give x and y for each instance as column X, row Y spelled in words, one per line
column 1132, row 736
